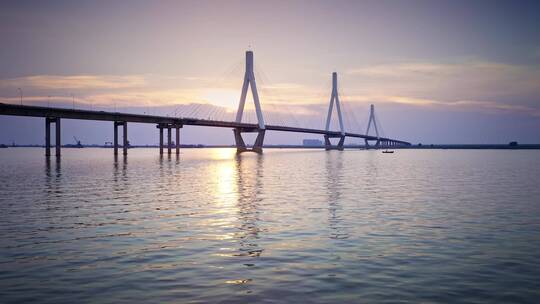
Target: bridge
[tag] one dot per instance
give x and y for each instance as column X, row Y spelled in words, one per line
column 54, row 116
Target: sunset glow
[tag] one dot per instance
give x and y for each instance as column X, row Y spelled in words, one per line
column 191, row 53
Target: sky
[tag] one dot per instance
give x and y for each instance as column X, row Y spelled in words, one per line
column 436, row 71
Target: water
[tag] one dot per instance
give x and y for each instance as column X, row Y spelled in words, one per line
column 287, row 226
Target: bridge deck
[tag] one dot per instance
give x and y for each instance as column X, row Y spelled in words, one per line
column 35, row 111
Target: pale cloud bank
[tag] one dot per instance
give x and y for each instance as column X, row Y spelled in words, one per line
column 75, row 82
column 473, row 86
column 468, row 80
column 448, row 105
column 464, row 69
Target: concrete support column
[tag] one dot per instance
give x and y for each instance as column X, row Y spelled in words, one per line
column 126, row 141
column 115, row 140
column 160, row 140
column 47, row 136
column 58, row 137
column 241, row 145
column 259, row 141
column 328, row 144
column 177, row 140
column 169, row 140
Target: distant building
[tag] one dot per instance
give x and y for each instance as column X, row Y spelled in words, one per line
column 312, row 142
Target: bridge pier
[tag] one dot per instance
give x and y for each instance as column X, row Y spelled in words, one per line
column 169, row 139
column 47, row 137
column 377, row 144
column 160, row 127
column 328, row 145
column 169, row 127
column 58, row 137
column 241, row 145
column 177, row 142
column 56, row 121
column 125, row 139
column 115, row 138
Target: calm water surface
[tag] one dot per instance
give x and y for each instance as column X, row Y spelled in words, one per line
column 287, row 226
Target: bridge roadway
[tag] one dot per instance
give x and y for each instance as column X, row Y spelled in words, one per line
column 117, row 117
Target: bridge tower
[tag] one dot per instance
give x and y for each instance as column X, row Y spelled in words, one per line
column 249, row 80
column 334, row 98
column 372, row 120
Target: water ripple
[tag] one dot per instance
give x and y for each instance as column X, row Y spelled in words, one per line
column 286, row 226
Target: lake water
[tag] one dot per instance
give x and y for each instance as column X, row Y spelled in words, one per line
column 290, row 226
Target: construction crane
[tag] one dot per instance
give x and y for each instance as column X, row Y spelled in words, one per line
column 78, row 143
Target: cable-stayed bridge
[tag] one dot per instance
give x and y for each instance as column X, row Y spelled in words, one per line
column 54, row 116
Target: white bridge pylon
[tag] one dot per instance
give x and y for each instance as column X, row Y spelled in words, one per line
column 249, row 81
column 334, row 99
column 372, row 120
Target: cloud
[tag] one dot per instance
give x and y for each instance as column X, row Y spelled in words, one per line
column 284, row 86
column 457, row 104
column 468, row 80
column 441, row 69
column 402, row 69
column 472, row 86
column 536, row 52
column 75, row 82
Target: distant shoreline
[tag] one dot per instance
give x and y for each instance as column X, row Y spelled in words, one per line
column 361, row 147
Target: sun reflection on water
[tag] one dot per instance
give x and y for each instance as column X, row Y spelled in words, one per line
column 223, row 190
column 223, row 153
